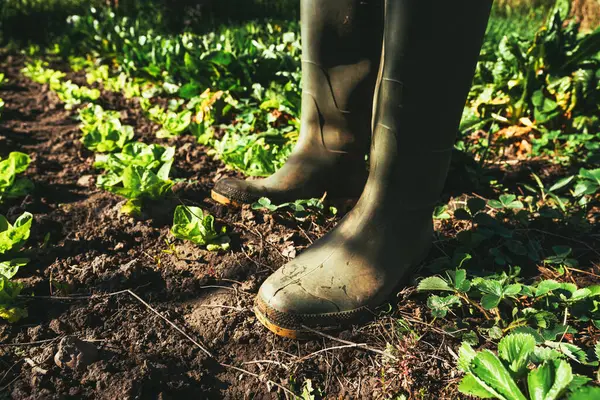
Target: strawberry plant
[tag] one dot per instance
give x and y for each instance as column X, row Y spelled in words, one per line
column 193, row 224
column 299, row 209
column 509, row 304
column 522, row 370
column 138, row 172
column 11, row 185
column 12, row 238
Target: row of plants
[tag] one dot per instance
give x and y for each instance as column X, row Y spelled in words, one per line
column 236, row 89
column 253, row 135
column 68, row 92
column 13, row 236
column 546, row 85
column 134, row 170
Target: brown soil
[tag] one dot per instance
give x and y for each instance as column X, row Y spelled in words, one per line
column 80, row 246
column 82, row 252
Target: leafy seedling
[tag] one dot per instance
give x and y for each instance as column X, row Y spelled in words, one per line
column 107, row 136
column 12, row 238
column 138, row 172
column 12, row 186
column 506, row 201
column 588, row 182
column 191, row 223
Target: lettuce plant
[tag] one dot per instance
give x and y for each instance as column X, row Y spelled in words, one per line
column 12, row 238
column 138, row 172
column 12, row 186
column 68, row 92
column 191, row 223
column 72, row 94
column 175, row 123
column 102, row 130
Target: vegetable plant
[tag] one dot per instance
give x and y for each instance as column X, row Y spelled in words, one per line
column 547, row 85
column 102, row 130
column 300, row 209
column 12, row 238
column 138, row 172
column 68, row 92
column 193, row 224
column 12, row 186
column 522, row 370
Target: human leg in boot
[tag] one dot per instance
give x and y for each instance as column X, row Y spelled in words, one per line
column 430, row 51
column 341, row 50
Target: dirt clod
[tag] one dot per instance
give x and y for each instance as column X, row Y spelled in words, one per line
column 75, row 354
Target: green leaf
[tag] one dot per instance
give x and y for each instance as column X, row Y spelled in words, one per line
column 10, row 184
column 433, row 283
column 489, row 301
column 441, row 212
column 539, row 381
column 562, row 183
column 466, row 354
column 441, row 305
column 546, row 286
column 470, row 385
column 461, row 283
column 475, row 205
column 572, row 351
column 488, row 368
column 516, row 349
column 13, row 236
column 586, row 393
column 12, row 314
column 550, row 380
column 462, row 214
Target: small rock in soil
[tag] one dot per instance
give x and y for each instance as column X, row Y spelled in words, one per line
column 75, row 354
column 85, row 180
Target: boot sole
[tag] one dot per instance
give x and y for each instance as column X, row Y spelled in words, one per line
column 296, row 330
column 222, row 199
column 278, row 330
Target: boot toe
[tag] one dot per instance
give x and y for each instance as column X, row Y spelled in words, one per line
column 287, row 308
column 234, row 191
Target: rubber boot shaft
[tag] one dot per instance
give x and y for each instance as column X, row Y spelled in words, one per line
column 341, row 51
column 430, row 51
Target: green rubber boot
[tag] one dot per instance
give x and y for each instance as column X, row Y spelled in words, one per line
column 430, row 52
column 341, row 50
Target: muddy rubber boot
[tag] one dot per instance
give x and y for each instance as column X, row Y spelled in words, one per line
column 341, row 51
column 430, row 52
